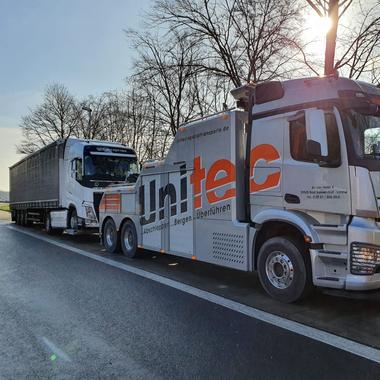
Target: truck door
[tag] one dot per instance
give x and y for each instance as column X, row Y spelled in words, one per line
column 315, row 168
column 266, row 155
column 75, row 180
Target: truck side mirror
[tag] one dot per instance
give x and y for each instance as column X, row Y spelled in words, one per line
column 313, row 148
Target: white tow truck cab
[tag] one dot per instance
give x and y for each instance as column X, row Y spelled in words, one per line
column 287, row 184
column 62, row 184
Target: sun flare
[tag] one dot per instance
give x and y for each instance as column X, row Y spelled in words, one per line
column 315, row 31
column 318, row 26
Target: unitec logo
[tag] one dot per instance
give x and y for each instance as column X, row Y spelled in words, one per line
column 265, row 152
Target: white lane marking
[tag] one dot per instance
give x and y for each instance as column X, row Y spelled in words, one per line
column 336, row 341
column 56, row 350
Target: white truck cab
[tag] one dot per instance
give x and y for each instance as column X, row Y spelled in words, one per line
column 287, row 184
column 89, row 167
column 62, row 184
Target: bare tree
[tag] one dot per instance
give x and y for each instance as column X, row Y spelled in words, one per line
column 56, row 118
column 91, row 128
column 358, row 44
column 166, row 67
column 128, row 117
column 242, row 40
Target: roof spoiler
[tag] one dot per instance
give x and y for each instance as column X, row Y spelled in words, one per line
column 257, row 93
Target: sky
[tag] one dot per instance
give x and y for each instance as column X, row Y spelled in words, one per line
column 79, row 43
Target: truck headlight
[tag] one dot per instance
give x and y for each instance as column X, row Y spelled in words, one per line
column 90, row 213
column 365, row 258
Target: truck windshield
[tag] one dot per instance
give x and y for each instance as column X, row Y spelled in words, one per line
column 365, row 133
column 101, row 169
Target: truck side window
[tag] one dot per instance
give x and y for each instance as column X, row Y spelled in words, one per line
column 298, row 138
column 76, row 169
column 297, row 130
column 333, row 142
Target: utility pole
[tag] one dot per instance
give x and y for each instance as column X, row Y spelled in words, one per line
column 333, row 13
column 89, row 110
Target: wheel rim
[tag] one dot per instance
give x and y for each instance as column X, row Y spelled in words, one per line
column 74, row 222
column 110, row 232
column 128, row 240
column 47, row 223
column 279, row 269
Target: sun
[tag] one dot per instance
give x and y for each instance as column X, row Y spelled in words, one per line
column 317, row 26
column 314, row 33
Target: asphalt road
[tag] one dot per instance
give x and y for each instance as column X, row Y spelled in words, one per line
column 68, row 316
column 4, row 215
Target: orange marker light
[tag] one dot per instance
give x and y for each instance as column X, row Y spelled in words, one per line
column 308, row 239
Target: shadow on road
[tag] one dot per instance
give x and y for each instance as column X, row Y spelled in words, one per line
column 352, row 315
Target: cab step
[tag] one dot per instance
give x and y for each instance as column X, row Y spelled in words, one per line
column 330, row 282
column 70, row 231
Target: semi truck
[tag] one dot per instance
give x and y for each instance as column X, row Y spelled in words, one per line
column 61, row 185
column 286, row 184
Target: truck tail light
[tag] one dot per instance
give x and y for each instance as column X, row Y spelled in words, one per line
column 365, row 258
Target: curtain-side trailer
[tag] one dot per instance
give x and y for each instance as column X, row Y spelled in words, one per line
column 61, row 184
column 287, row 184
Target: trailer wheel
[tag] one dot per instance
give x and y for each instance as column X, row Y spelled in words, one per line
column 47, row 223
column 110, row 236
column 23, row 218
column 128, row 239
column 18, row 218
column 283, row 268
column 28, row 222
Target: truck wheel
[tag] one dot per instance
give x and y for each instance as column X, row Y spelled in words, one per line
column 25, row 221
column 23, row 218
column 73, row 220
column 128, row 239
column 47, row 223
column 110, row 237
column 28, row 223
column 283, row 268
column 18, row 218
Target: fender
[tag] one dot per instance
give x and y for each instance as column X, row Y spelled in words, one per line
column 298, row 219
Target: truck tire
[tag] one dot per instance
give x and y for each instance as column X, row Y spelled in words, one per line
column 28, row 222
column 73, row 220
column 110, row 237
column 18, row 218
column 284, row 269
column 128, row 239
column 23, row 218
column 47, row 223
column 25, row 222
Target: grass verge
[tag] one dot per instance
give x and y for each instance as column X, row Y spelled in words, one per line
column 4, row 207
